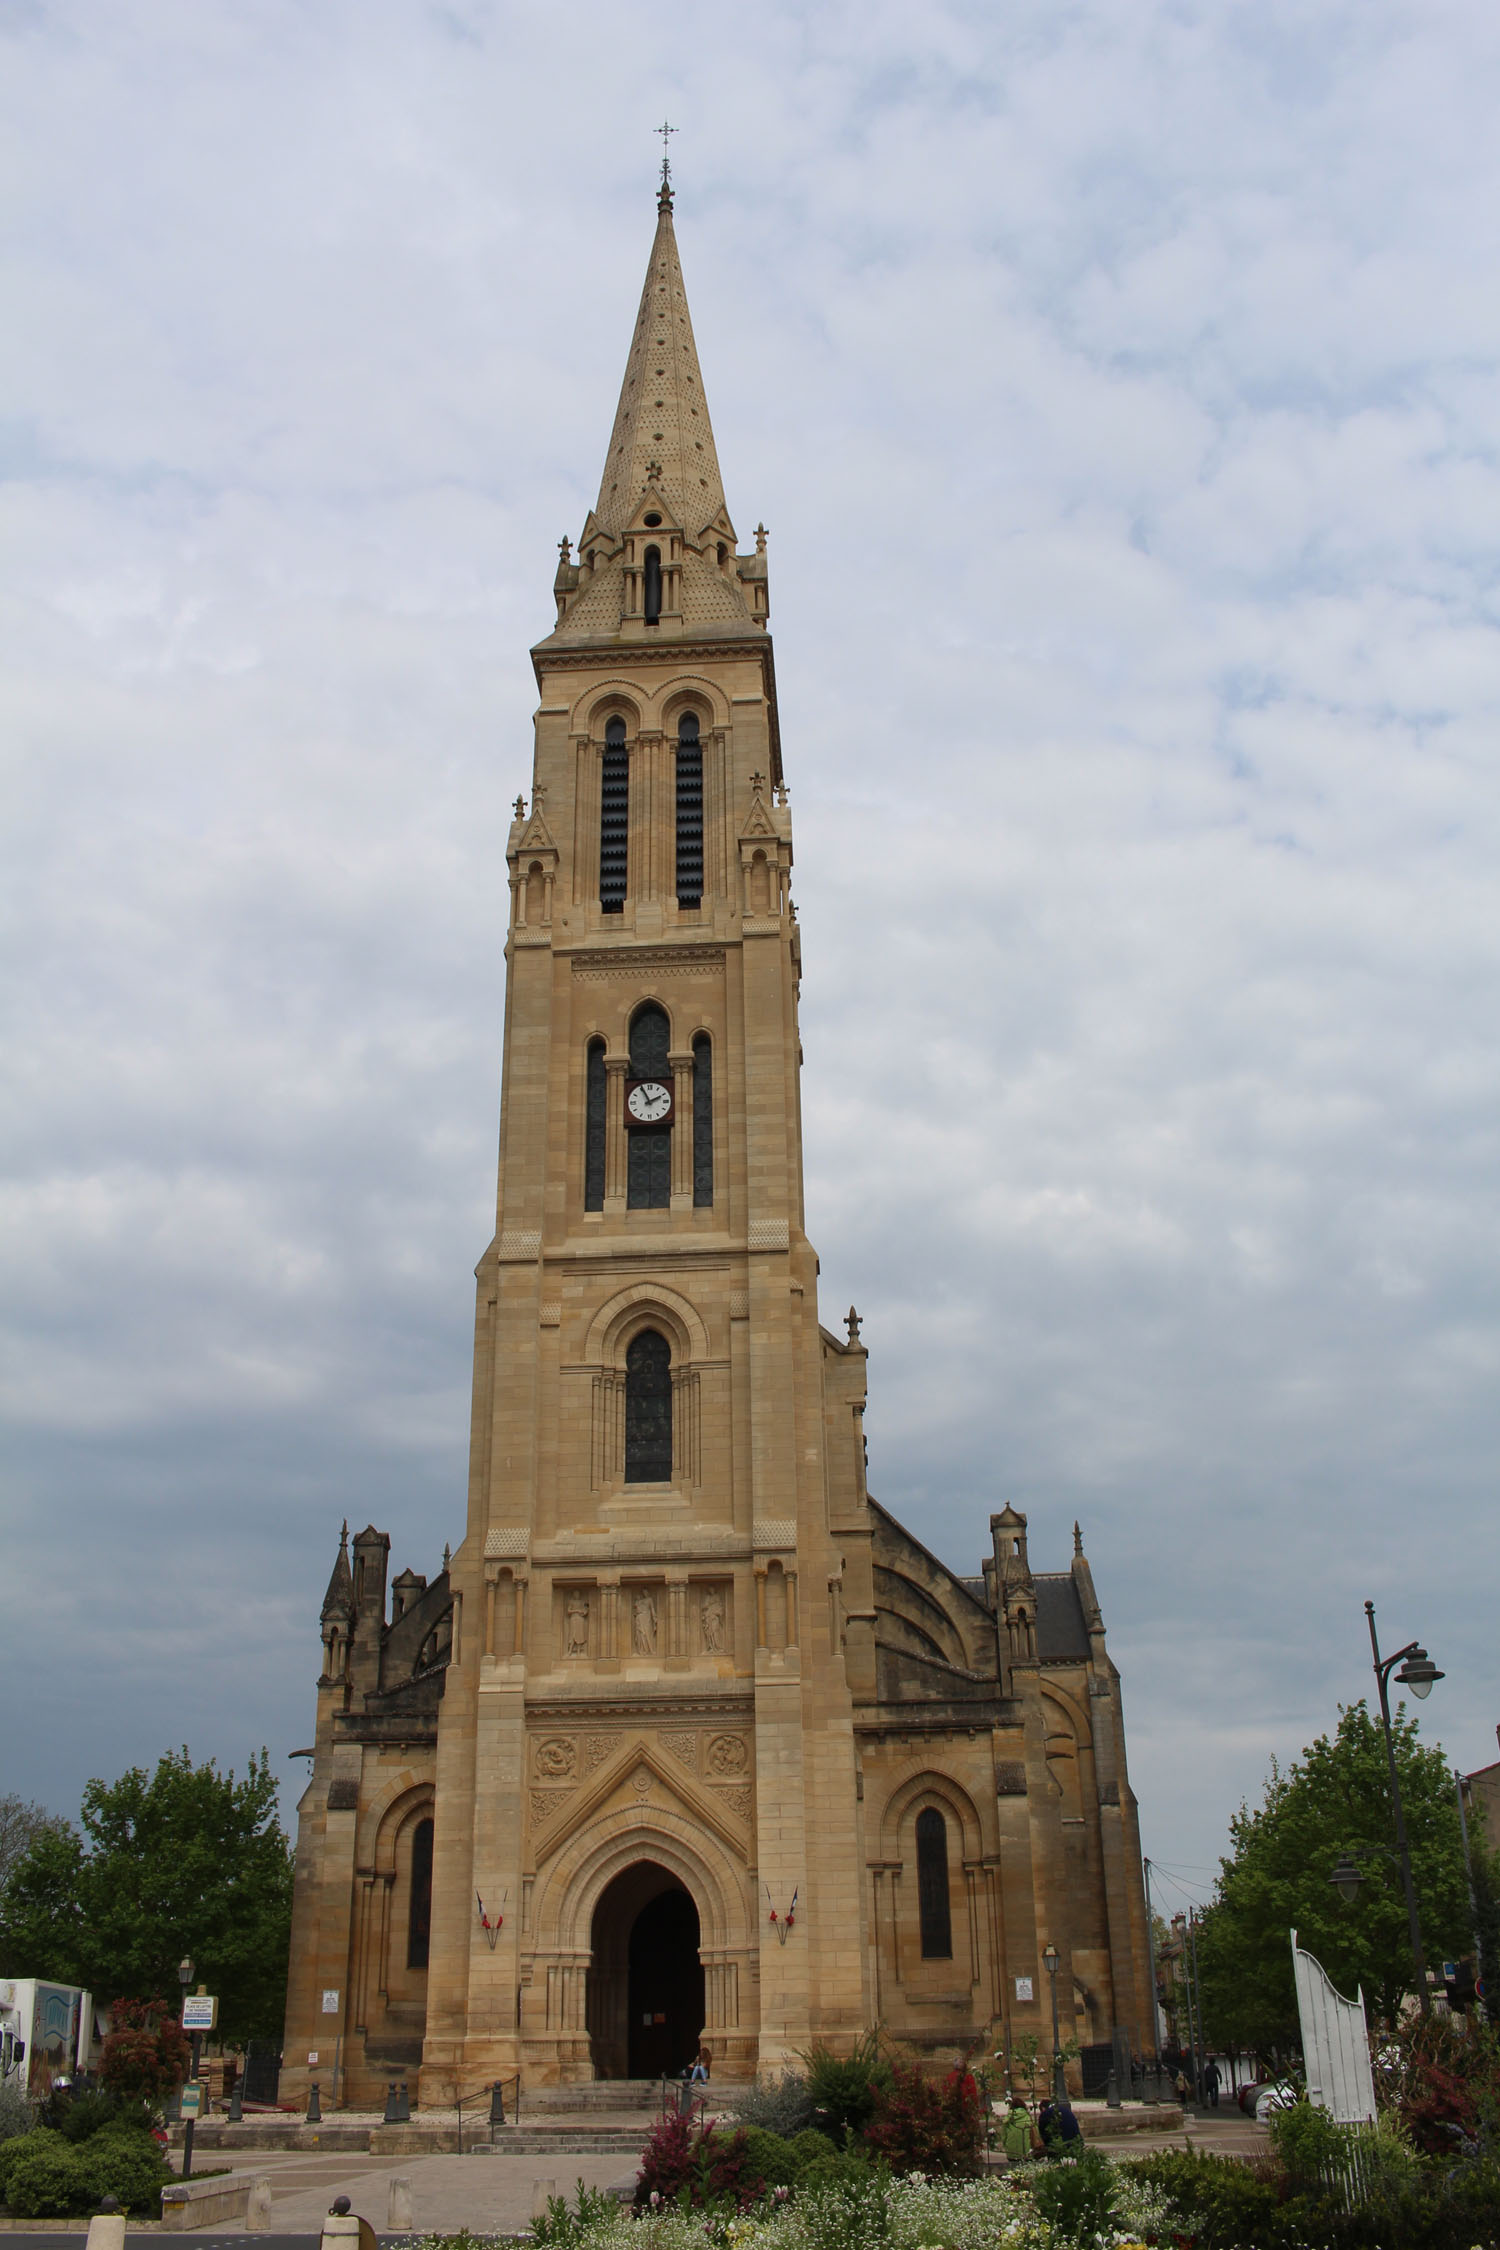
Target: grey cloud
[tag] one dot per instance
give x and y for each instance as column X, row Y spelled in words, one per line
column 1119, row 386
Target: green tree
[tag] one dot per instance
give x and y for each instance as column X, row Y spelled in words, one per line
column 1336, row 1797
column 21, row 1824
column 186, row 1860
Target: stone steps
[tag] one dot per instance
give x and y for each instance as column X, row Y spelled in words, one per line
column 566, row 2140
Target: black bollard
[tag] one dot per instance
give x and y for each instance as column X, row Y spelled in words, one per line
column 392, row 2105
column 236, row 2105
column 497, row 2102
column 1112, row 2092
column 405, row 2116
column 314, row 2105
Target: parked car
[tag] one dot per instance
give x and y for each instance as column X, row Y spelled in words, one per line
column 1277, row 2095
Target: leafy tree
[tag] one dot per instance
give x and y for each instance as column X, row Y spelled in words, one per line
column 146, row 2056
column 186, row 1860
column 1276, row 1879
column 21, row 1823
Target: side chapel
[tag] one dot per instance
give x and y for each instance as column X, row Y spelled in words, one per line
column 689, row 1738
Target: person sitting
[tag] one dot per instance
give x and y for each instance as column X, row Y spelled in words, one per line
column 1018, row 2135
column 1062, row 2135
column 702, row 2066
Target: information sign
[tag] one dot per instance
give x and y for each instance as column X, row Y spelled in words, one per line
column 200, row 2011
column 331, row 2001
column 192, row 2099
column 1023, row 1989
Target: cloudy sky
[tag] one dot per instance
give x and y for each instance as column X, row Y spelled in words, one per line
column 1118, row 382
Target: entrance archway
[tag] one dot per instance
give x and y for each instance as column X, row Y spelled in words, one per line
column 645, row 1987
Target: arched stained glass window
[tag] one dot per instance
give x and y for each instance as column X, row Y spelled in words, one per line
column 932, row 1885
column 703, row 1120
column 648, row 1409
column 593, row 1131
column 419, row 1912
column 689, row 812
column 614, row 818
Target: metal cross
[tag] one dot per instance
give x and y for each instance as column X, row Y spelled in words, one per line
column 666, row 170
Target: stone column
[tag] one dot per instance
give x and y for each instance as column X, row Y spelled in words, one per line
column 682, row 1130
column 615, row 1070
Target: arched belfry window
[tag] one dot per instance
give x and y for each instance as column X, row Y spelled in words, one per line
column 593, row 1131
column 648, row 1409
column 614, row 818
column 419, row 1912
column 932, row 1885
column 689, row 812
column 648, row 1179
column 703, row 1121
column 652, row 589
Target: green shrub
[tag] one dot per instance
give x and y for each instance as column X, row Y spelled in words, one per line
column 595, row 2211
column 808, row 2146
column 16, row 2114
column 1221, row 2201
column 849, row 2167
column 777, row 2105
column 843, row 2088
column 127, row 2164
column 87, row 2114
column 1079, row 2195
column 43, row 2179
column 769, row 2157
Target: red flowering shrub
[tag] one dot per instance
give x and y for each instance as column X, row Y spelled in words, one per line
column 685, row 2162
column 926, row 2125
column 146, row 2055
column 1435, row 2074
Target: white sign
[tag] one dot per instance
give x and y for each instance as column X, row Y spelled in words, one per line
column 199, row 2010
column 1023, row 1989
column 312, row 2054
column 331, row 2001
column 192, row 2099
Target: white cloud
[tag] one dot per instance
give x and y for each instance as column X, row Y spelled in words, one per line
column 1119, row 384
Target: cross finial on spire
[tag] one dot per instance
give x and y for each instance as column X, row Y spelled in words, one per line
column 664, row 192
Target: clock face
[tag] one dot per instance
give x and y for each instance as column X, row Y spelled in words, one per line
column 649, row 1102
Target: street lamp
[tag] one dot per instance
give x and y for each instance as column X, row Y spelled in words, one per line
column 185, row 1978
column 1051, row 1957
column 1419, row 1673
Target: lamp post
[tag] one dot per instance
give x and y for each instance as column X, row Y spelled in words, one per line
column 1059, row 2083
column 1418, row 1672
column 185, row 1978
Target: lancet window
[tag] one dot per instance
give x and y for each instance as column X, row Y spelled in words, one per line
column 689, row 812
column 419, row 1912
column 648, row 1409
column 703, row 1121
column 614, row 818
column 593, row 1131
column 932, row 1885
column 653, row 586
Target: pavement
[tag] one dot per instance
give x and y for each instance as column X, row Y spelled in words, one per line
column 488, row 2194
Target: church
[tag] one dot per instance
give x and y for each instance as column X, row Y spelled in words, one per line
column 689, row 1741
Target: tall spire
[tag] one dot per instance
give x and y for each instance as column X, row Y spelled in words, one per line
column 662, row 435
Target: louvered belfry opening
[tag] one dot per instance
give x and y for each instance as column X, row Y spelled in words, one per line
column 689, row 812
column 648, row 1409
column 648, row 1177
column 614, row 819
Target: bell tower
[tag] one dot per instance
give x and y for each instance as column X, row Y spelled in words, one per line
column 647, row 1709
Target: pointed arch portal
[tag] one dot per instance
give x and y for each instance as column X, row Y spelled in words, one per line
column 645, row 1986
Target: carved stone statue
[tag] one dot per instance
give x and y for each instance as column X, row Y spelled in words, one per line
column 711, row 1618
column 576, row 1641
column 643, row 1624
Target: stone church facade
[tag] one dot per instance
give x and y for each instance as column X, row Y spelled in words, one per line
column 689, row 1737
